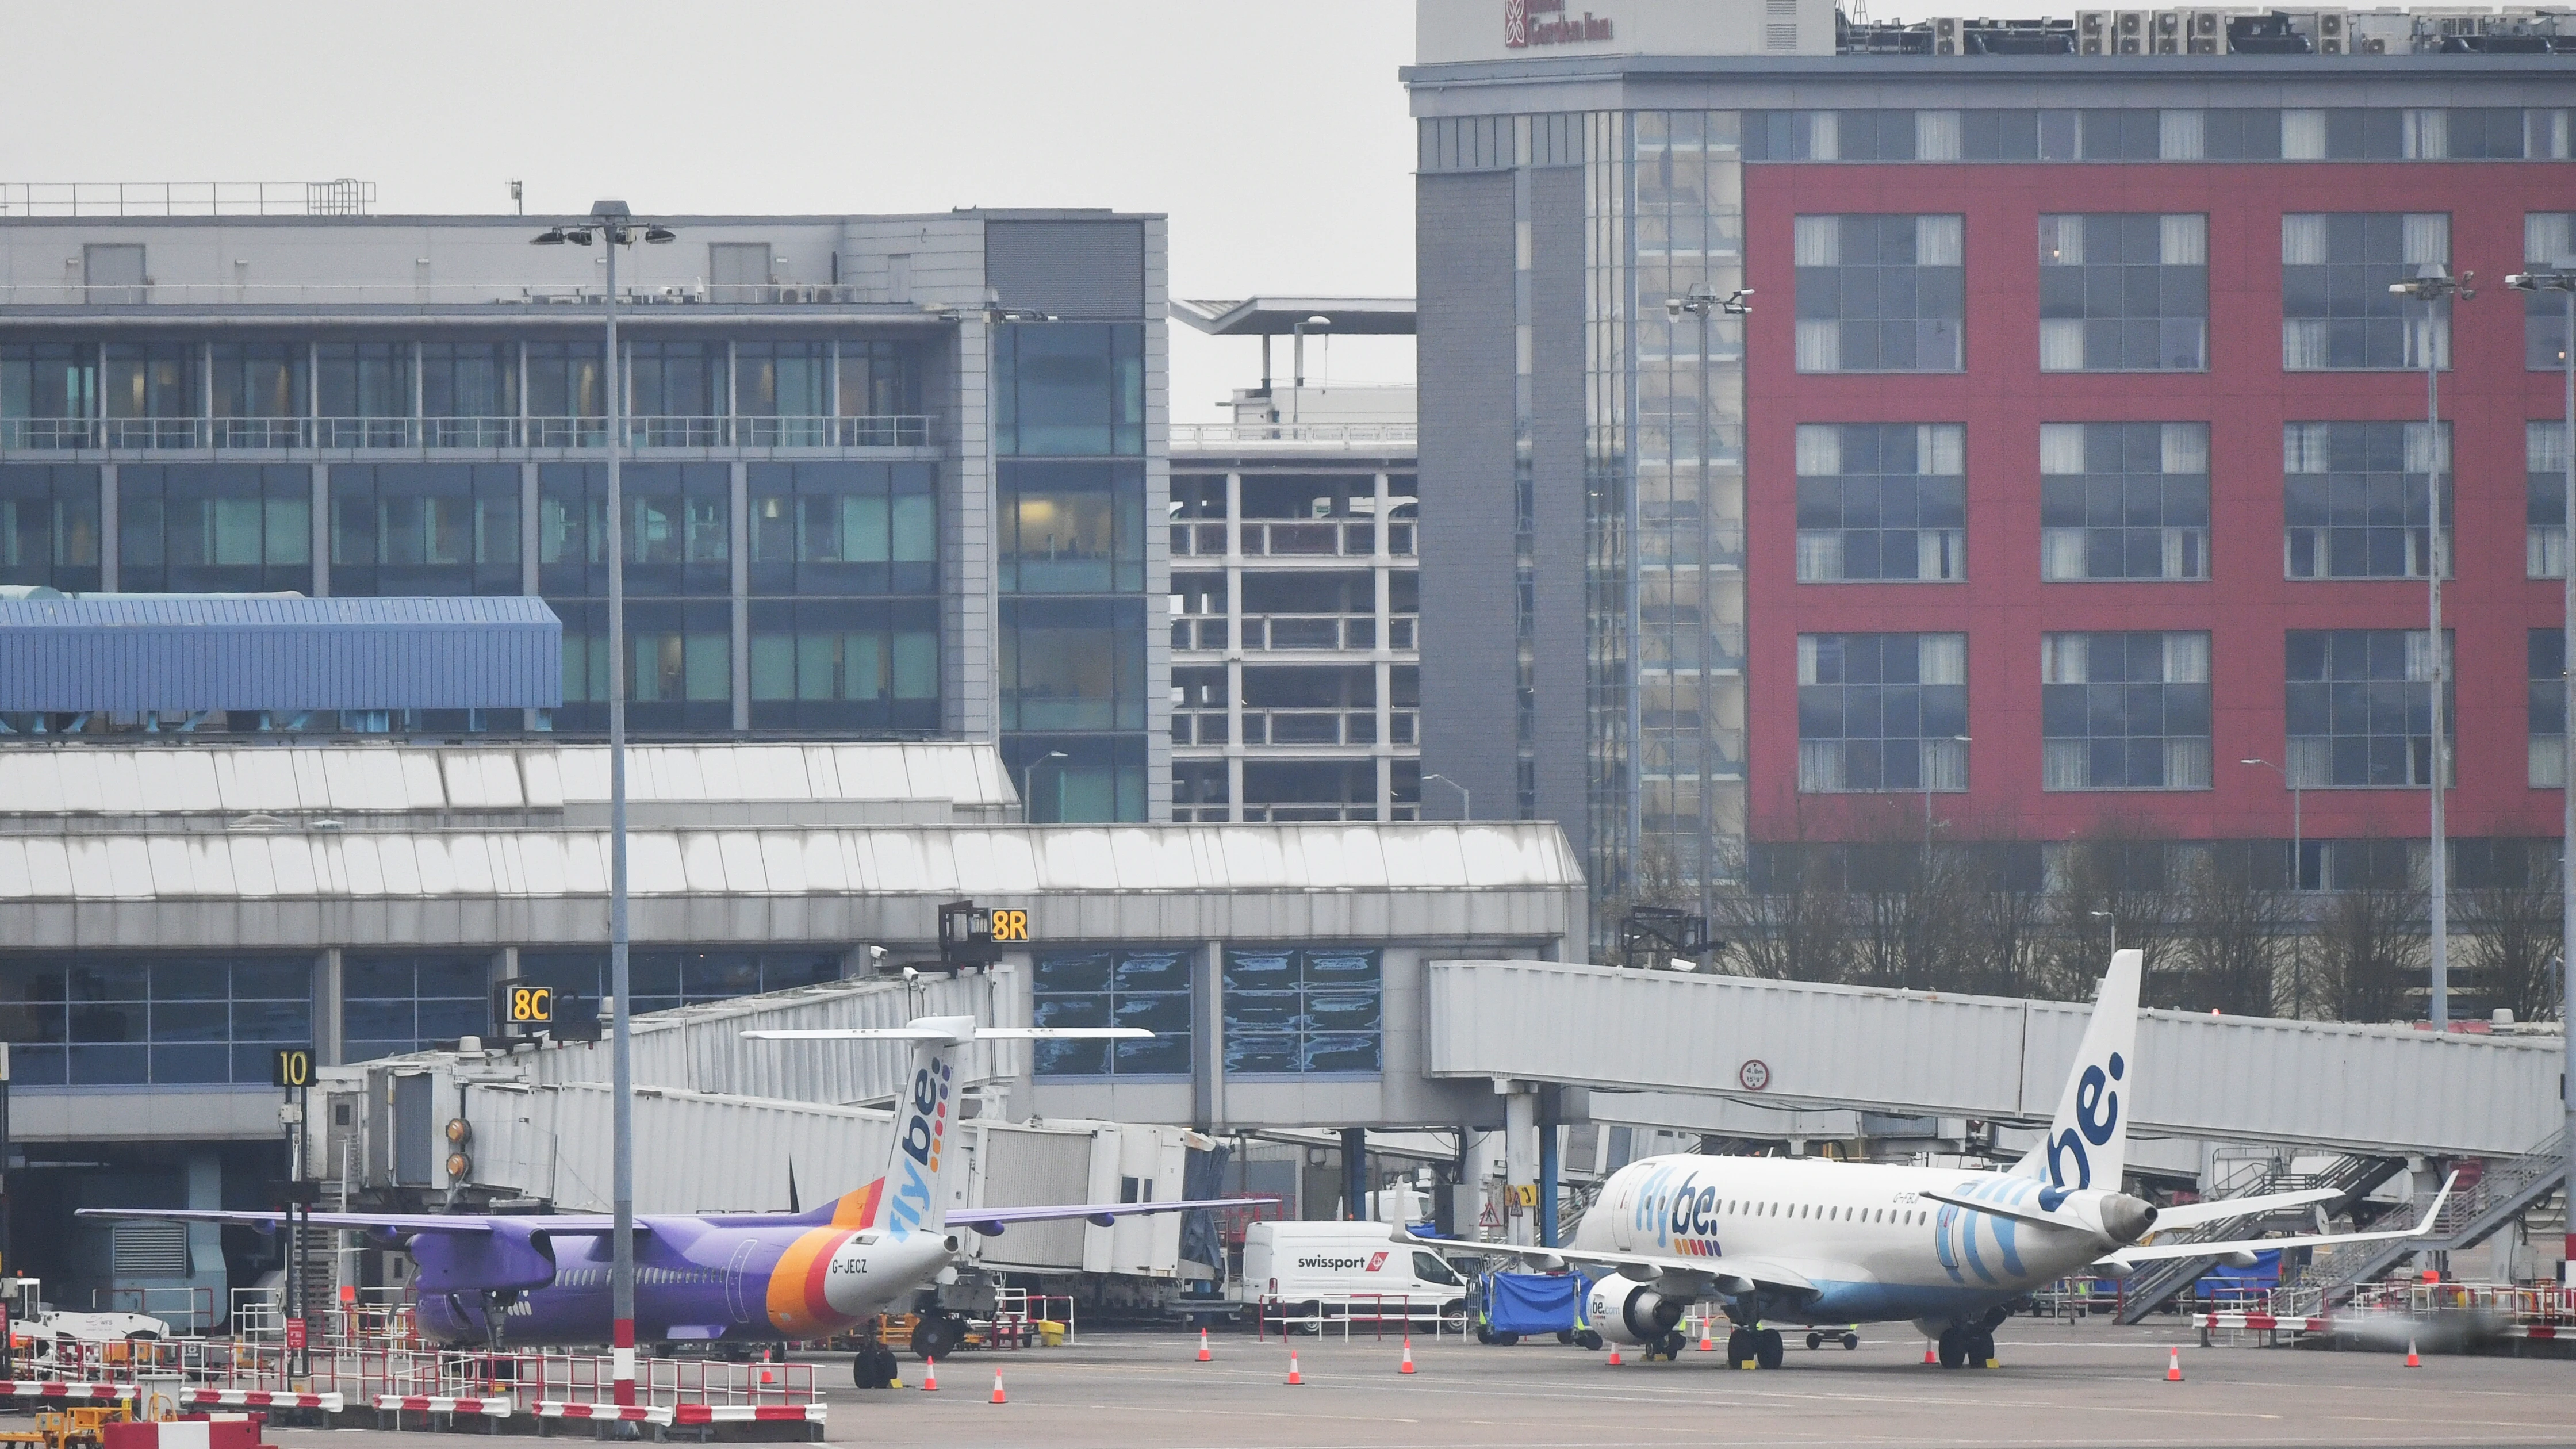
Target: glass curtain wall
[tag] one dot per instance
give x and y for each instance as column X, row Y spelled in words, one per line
column 1664, row 457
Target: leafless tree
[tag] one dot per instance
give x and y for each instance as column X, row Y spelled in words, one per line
column 1788, row 921
column 2118, row 874
column 2370, row 944
column 2512, row 928
column 2234, row 936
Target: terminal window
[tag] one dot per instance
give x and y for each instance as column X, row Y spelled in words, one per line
column 1880, row 293
column 2337, row 313
column 1303, row 1011
column 395, row 1004
column 152, row 1020
column 662, row 980
column 2544, row 447
column 2548, row 240
column 2547, row 650
column 2355, row 500
column 2123, row 293
column 49, row 524
column 1882, row 502
column 2360, row 707
column 1146, row 987
column 1882, row 712
column 2125, row 711
column 2123, row 501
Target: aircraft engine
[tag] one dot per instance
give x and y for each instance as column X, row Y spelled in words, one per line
column 1625, row 1311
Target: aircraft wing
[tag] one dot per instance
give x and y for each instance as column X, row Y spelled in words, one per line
column 1730, row 1274
column 2191, row 1215
column 2158, row 1251
column 460, row 1224
column 991, row 1221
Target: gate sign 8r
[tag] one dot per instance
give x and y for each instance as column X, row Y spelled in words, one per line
column 1010, row 925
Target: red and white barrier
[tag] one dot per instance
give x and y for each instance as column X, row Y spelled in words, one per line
column 58, row 1389
column 605, row 1413
column 747, row 1414
column 260, row 1399
column 2265, row 1321
column 439, row 1404
column 181, row 1434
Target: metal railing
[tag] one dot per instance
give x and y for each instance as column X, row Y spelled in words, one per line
column 1339, row 436
column 364, row 434
column 1293, row 727
column 1325, row 539
column 74, row 291
column 342, row 197
column 1667, row 647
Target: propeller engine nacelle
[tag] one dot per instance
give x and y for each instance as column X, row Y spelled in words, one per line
column 1624, row 1311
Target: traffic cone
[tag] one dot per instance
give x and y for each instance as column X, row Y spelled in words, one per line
column 2173, row 1367
column 1707, row 1344
column 2413, row 1359
column 997, row 1388
column 1614, row 1355
column 1929, row 1360
column 1204, row 1355
column 1293, row 1376
column 930, row 1376
column 1407, row 1366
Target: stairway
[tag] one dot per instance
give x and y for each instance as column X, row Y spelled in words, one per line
column 2352, row 1176
column 2506, row 1190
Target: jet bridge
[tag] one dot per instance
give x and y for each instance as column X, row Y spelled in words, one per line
column 2333, row 1085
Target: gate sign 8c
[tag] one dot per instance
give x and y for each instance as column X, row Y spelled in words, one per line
column 529, row 1006
column 1010, row 926
column 291, row 1067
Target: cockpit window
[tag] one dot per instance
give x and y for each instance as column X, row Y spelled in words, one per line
column 1429, row 1268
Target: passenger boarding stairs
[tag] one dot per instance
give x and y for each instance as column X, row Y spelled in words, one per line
column 2506, row 1190
column 2155, row 1285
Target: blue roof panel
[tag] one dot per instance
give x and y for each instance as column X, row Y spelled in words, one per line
column 131, row 653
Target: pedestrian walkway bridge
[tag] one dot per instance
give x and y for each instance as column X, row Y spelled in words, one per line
column 2386, row 1090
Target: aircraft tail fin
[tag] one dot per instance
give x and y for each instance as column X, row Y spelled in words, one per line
column 907, row 1199
column 2088, row 1140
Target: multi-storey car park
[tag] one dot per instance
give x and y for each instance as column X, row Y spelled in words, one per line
column 2074, row 451
column 888, row 478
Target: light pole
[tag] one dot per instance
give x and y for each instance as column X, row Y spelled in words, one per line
column 2115, row 927
column 2298, row 885
column 1297, row 389
column 1703, row 302
column 1028, row 782
column 2434, row 285
column 1466, row 802
column 2561, row 279
column 614, row 225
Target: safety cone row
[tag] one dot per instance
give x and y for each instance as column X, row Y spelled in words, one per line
column 2413, row 1359
column 2173, row 1367
column 930, row 1376
column 1293, row 1376
column 1204, row 1355
column 997, row 1388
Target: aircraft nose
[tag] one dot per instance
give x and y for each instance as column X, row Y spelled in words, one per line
column 2127, row 1218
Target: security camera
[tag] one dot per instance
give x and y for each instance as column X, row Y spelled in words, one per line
column 876, row 954
column 1672, row 308
column 911, row 973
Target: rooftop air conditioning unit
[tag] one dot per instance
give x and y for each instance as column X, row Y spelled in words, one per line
column 2132, row 32
column 2334, row 33
column 2093, row 32
column 2206, row 32
column 2167, row 33
column 1945, row 35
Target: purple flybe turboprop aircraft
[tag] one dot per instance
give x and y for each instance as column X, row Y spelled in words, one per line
column 732, row 1277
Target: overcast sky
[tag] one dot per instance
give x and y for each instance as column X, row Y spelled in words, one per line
column 1274, row 136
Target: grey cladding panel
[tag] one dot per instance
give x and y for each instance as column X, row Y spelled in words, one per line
column 1092, row 269
column 1557, row 455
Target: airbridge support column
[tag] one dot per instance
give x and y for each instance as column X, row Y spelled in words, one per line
column 1520, row 1158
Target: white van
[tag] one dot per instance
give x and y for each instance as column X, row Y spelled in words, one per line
column 1346, row 1265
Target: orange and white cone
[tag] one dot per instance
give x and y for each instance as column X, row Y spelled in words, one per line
column 1614, row 1356
column 1707, row 1342
column 1929, row 1359
column 1204, row 1355
column 2173, row 1367
column 997, row 1388
column 2413, row 1359
column 1407, row 1366
column 1293, row 1376
column 930, row 1376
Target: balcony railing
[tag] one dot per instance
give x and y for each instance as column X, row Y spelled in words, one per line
column 1664, row 647
column 1677, row 544
column 1339, row 633
column 1339, row 437
column 1286, row 812
column 1327, row 539
column 1293, row 727
column 413, row 434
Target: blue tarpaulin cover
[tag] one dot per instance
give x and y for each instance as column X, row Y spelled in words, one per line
column 2221, row 1280
column 1534, row 1302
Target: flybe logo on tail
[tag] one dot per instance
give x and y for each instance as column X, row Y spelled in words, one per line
column 925, row 1133
column 2097, row 1116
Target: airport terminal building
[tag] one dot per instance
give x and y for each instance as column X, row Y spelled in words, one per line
column 2074, row 449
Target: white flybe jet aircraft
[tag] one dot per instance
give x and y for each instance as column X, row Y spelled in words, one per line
column 1810, row 1242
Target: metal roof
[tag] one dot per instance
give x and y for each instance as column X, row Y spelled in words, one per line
column 173, row 653
column 1279, row 316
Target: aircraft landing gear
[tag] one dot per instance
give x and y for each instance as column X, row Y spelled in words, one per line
column 1770, row 1350
column 873, row 1366
column 1981, row 1349
column 1954, row 1349
column 1742, row 1347
column 937, row 1335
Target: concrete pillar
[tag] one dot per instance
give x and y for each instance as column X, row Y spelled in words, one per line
column 1520, row 1159
column 1355, row 1174
column 1548, row 1129
column 1207, row 1038
column 739, row 504
column 329, row 1039
column 110, row 549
